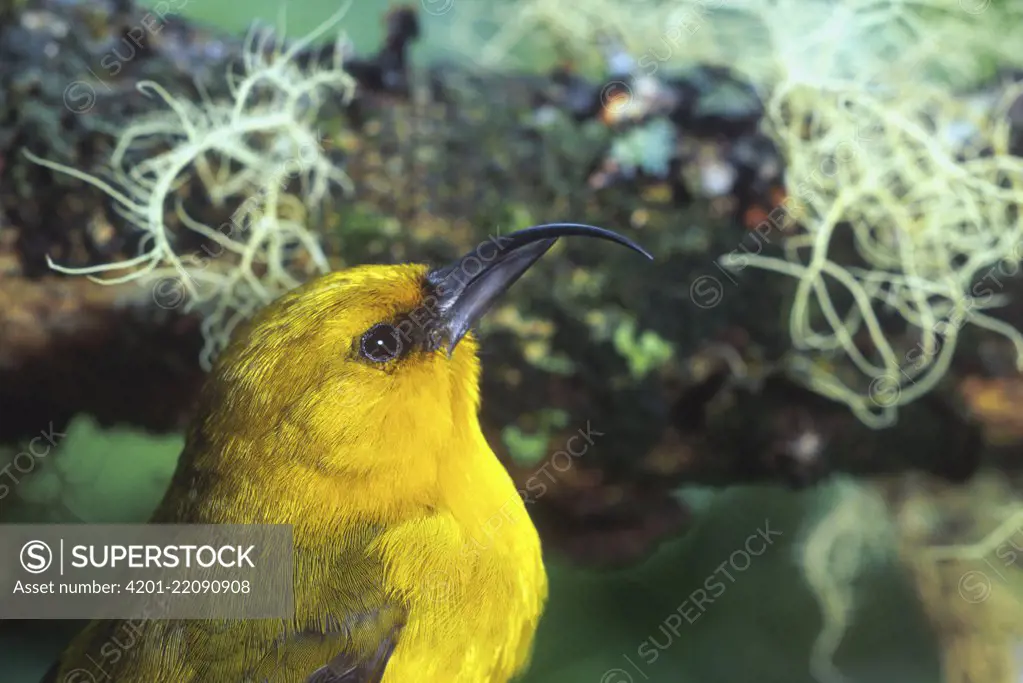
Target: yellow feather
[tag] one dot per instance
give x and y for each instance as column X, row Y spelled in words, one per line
column 403, row 516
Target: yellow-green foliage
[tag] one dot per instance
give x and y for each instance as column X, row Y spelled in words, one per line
column 246, row 151
column 92, row 475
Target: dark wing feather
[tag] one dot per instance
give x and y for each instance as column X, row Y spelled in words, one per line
column 336, row 656
column 343, row 669
column 348, row 639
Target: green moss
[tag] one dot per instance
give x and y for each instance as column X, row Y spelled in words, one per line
column 569, row 149
column 357, row 229
column 530, row 448
column 644, row 352
column 557, row 363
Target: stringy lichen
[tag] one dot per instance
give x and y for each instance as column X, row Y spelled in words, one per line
column 880, row 151
column 852, row 532
column 923, row 182
column 246, row 151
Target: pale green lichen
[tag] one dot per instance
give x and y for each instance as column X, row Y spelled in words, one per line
column 861, row 100
column 853, row 532
column 246, row 151
column 929, row 214
column 648, row 148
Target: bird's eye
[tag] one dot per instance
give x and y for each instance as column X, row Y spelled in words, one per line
column 381, row 343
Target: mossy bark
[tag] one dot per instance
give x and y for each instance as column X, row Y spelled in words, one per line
column 439, row 163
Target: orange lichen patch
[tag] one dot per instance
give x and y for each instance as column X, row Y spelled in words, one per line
column 778, row 195
column 618, row 104
column 767, row 212
column 995, row 403
column 754, row 216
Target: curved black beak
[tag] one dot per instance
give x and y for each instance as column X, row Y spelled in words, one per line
column 466, row 289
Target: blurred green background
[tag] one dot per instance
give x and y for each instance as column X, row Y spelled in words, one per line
column 760, row 629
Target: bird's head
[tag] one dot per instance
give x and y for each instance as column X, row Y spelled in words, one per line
column 374, row 359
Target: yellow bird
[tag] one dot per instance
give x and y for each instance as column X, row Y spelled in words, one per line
column 348, row 409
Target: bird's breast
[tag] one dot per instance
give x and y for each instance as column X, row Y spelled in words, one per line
column 476, row 599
